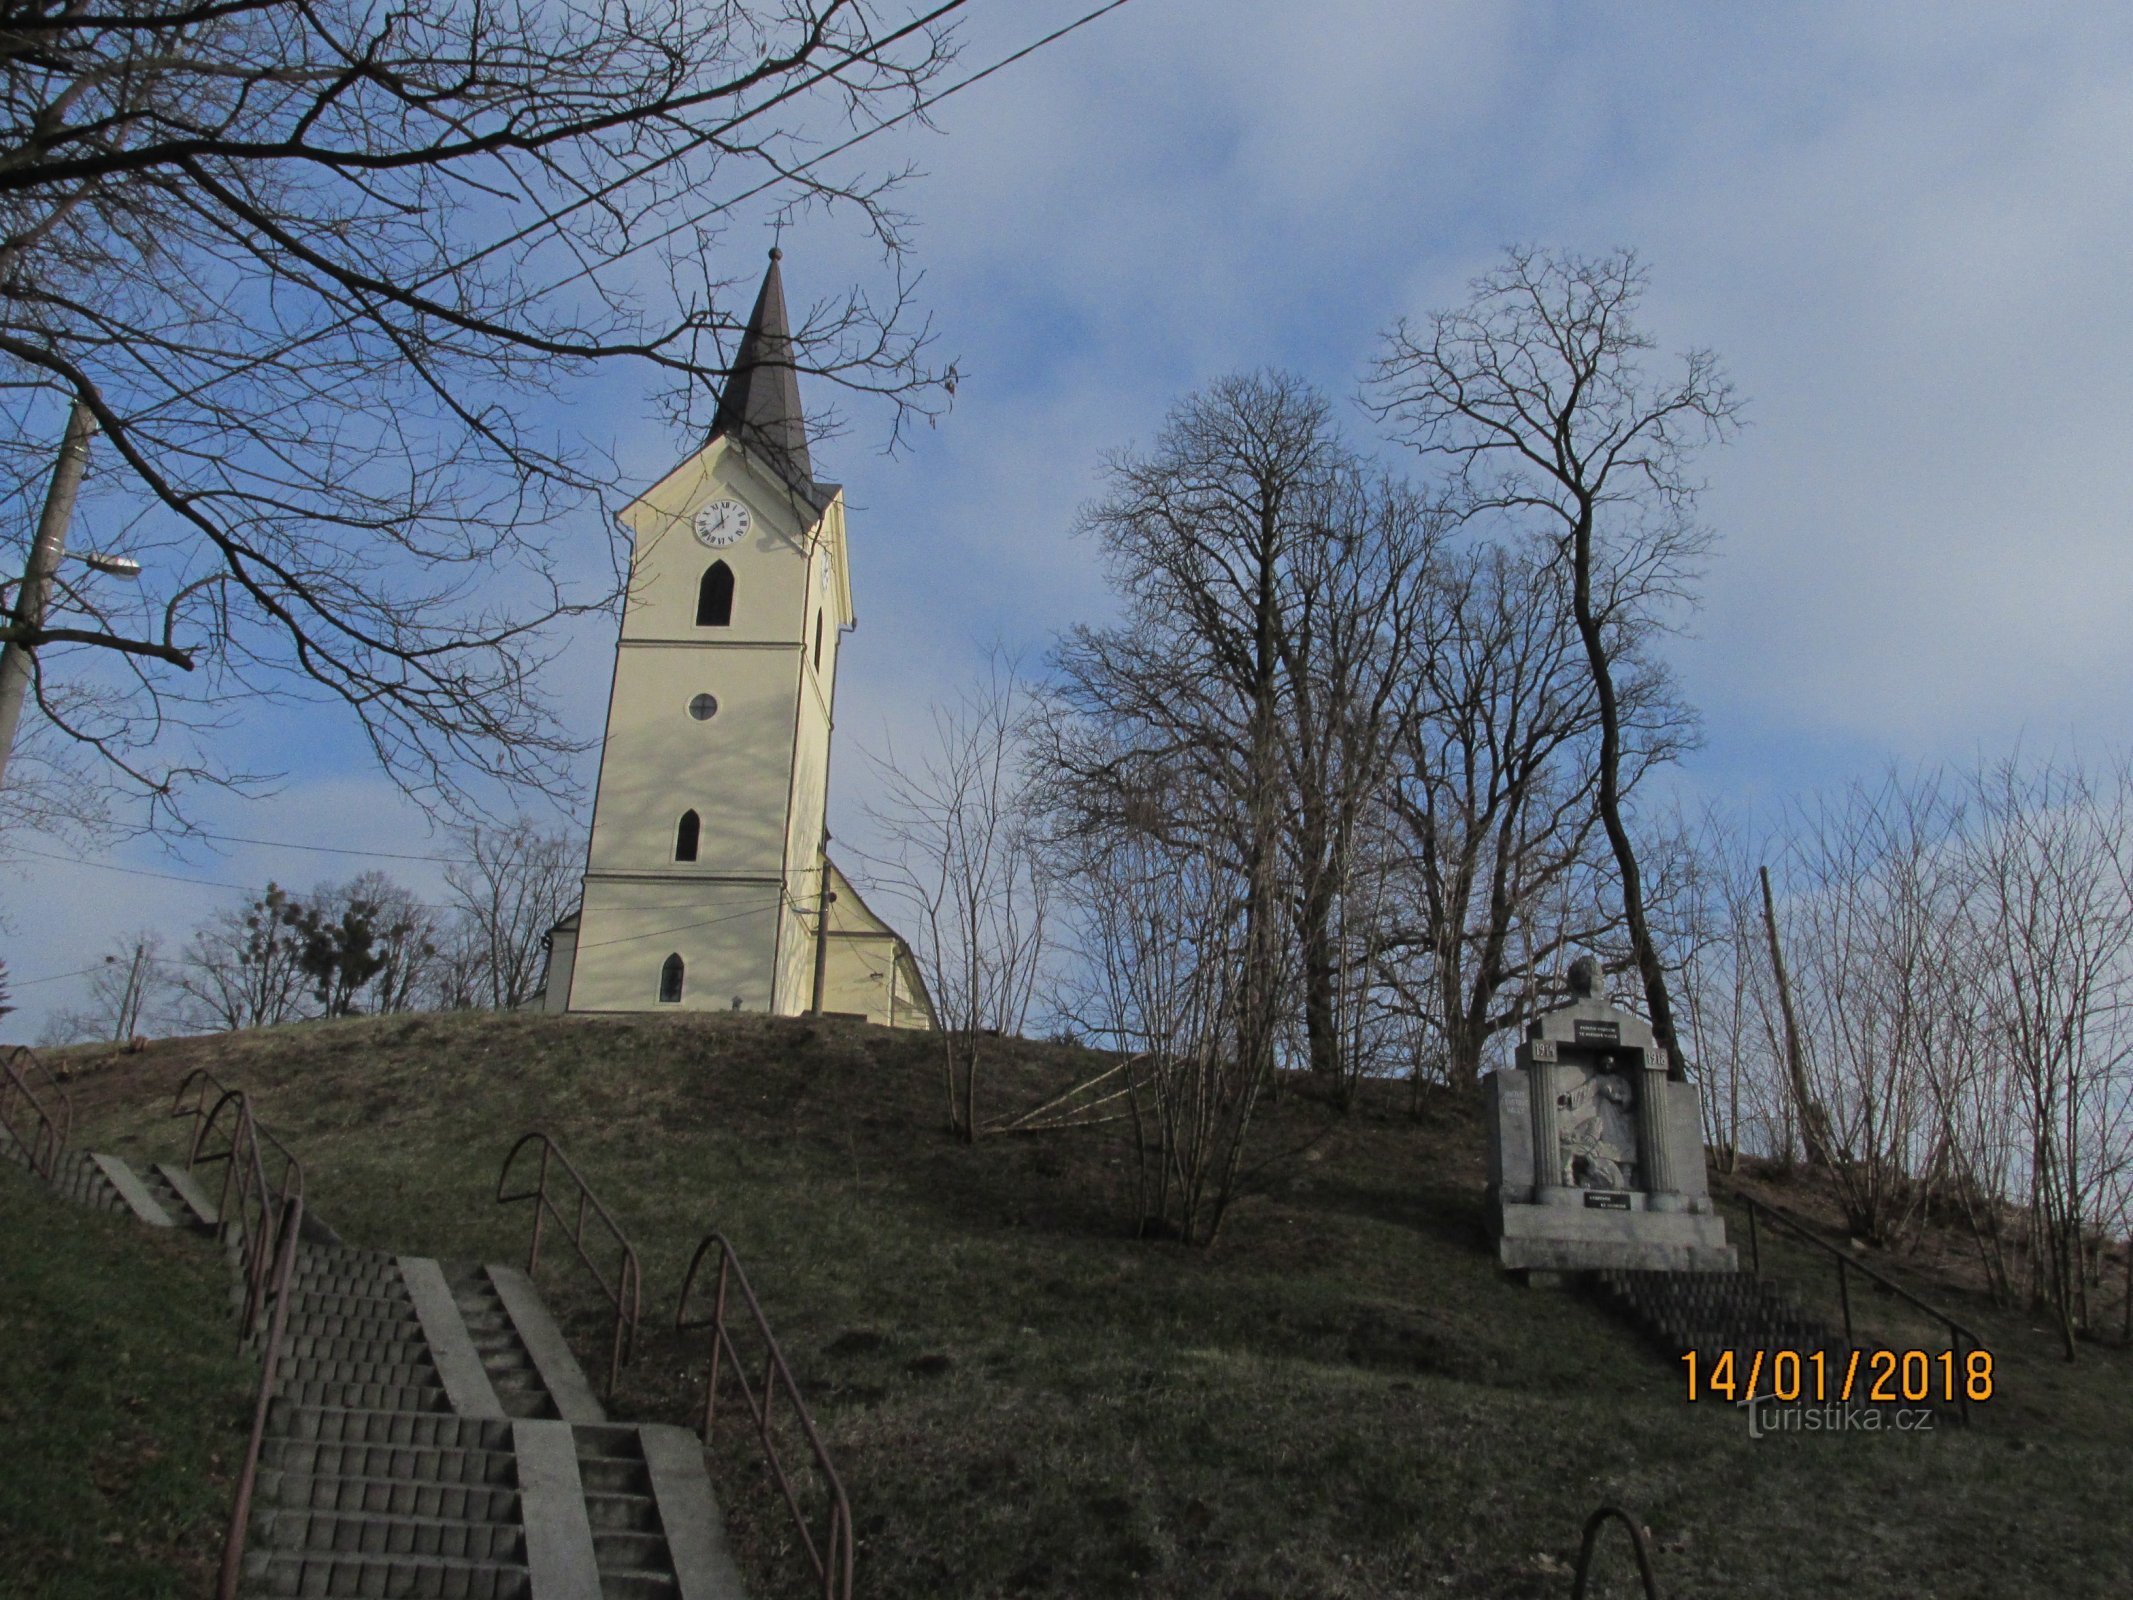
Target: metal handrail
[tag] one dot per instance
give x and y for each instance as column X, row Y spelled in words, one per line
column 291, row 1222
column 201, row 1115
column 246, row 1170
column 47, row 1136
column 1637, row 1544
column 833, row 1559
column 626, row 1293
column 1803, row 1230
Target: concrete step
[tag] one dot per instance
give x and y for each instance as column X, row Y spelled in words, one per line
column 191, row 1193
column 342, row 1425
column 132, row 1191
column 543, row 1342
column 400, row 1344
column 459, row 1363
column 166, row 1196
column 354, row 1461
column 560, row 1553
column 415, row 1374
column 379, row 1534
column 348, row 1253
column 695, row 1528
column 621, row 1550
column 364, row 1396
column 339, row 1303
column 284, row 1575
column 362, row 1285
column 342, row 1325
column 620, row 1513
column 612, row 1475
column 396, row 1496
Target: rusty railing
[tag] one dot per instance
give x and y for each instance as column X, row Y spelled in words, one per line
column 289, row 1225
column 262, row 1205
column 832, row 1557
column 1959, row 1337
column 1593, row 1524
column 38, row 1123
column 626, row 1292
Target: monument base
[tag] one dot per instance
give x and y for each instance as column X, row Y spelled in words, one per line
column 1578, row 1239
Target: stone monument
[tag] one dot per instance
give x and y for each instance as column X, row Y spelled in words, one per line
column 1595, row 1158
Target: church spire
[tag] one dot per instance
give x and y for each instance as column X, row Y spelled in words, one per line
column 761, row 405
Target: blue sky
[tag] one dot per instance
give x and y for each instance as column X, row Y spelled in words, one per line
column 1906, row 229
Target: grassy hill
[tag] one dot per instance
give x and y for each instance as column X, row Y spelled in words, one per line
column 1344, row 1398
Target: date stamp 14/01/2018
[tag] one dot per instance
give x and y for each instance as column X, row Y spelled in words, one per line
column 1814, row 1377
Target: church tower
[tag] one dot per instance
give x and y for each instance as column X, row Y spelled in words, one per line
column 707, row 884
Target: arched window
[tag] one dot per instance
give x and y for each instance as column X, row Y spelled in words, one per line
column 714, row 596
column 818, row 641
column 670, row 981
column 685, row 836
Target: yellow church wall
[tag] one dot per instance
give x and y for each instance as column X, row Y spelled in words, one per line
column 732, row 770
column 723, row 933
column 769, row 563
column 868, row 971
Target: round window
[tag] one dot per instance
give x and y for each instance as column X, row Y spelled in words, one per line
column 704, row 707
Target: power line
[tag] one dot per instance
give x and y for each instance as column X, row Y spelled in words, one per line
column 687, row 927
column 171, row 877
column 325, row 849
column 918, row 110
column 31, row 983
column 134, row 872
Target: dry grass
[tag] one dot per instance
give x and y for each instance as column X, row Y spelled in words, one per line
column 1343, row 1399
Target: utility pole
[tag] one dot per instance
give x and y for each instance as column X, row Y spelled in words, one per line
column 823, row 901
column 17, row 659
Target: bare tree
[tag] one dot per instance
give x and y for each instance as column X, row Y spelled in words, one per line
column 1504, row 867
column 123, row 993
column 1537, row 394
column 512, row 884
column 1242, row 708
column 2054, row 861
column 1161, row 936
column 312, row 268
column 241, row 967
column 963, row 855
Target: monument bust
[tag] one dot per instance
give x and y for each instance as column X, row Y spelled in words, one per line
column 1596, row 1159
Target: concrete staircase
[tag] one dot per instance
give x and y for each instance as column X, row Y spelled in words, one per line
column 1712, row 1311
column 432, row 1437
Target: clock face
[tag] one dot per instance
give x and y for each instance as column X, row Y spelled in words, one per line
column 721, row 523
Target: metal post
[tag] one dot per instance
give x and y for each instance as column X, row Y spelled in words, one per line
column 17, row 660
column 1844, row 1292
column 718, row 1342
column 1755, row 1242
column 540, row 1204
column 823, row 898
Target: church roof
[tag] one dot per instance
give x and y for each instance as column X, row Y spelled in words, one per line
column 761, row 404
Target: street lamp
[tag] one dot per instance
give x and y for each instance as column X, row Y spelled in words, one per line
column 112, row 566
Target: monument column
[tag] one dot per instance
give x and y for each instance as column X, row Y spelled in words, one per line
column 1655, row 1152
column 1548, row 1189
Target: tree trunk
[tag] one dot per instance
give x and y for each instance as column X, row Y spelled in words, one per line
column 1645, row 952
column 1795, row 1058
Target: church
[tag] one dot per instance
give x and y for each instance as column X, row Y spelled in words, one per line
column 708, row 881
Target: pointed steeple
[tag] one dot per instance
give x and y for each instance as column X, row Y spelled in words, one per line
column 761, row 405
